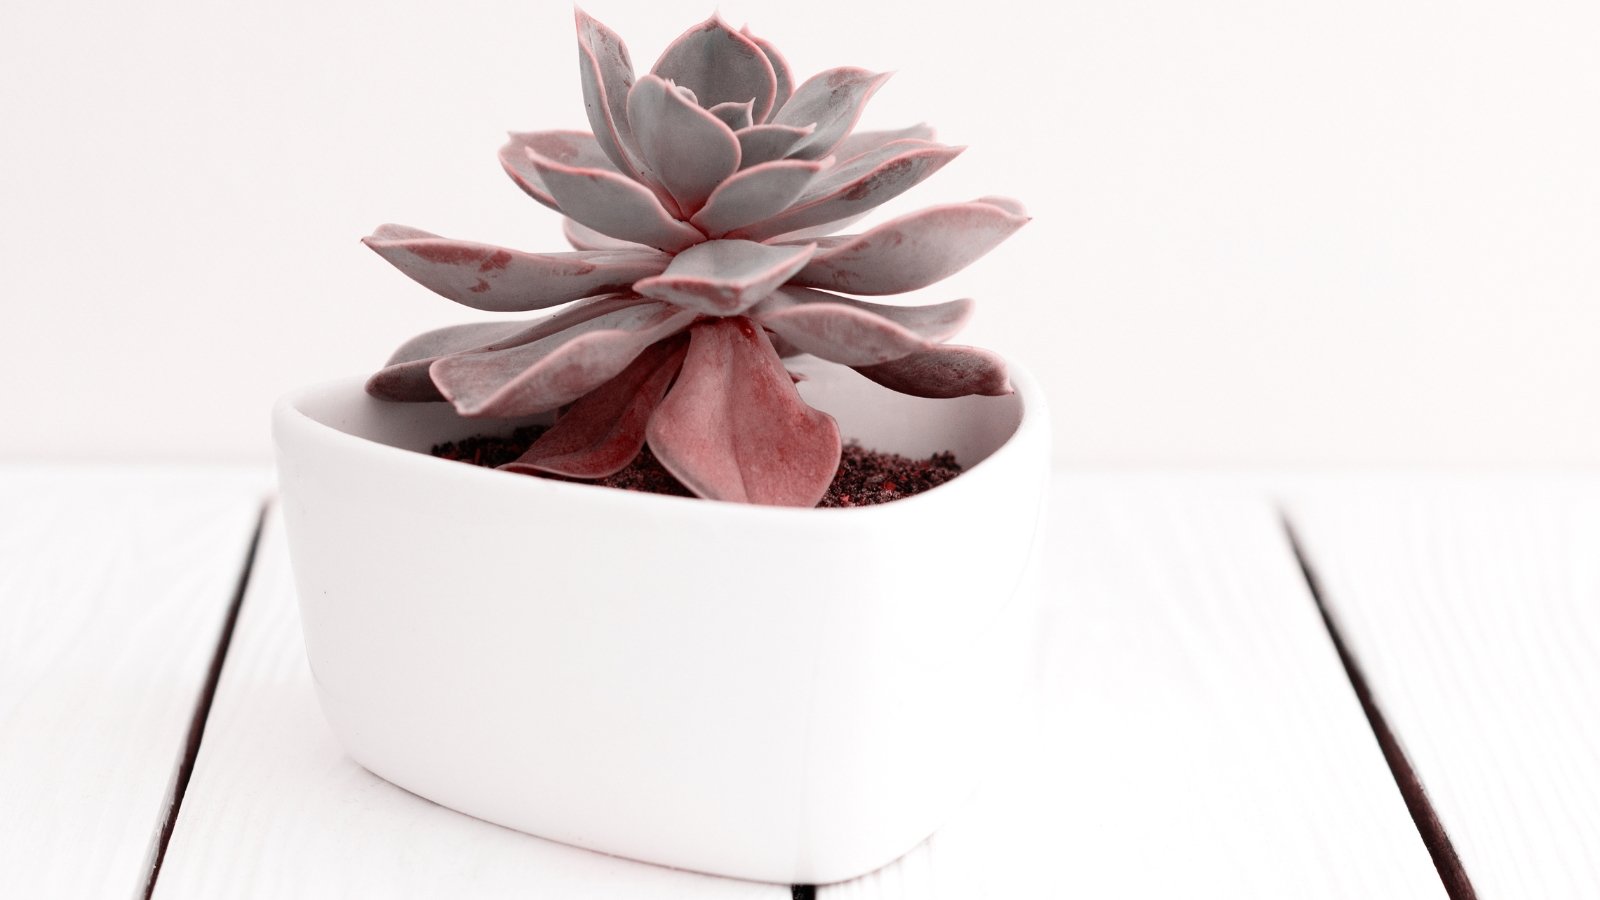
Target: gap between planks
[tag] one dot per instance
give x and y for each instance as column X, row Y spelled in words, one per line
column 202, row 710
column 1197, row 735
column 1434, row 836
column 1427, row 823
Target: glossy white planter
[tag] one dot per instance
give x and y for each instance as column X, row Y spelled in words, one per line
column 786, row 695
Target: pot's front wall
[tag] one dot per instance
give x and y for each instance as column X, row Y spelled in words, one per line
column 782, row 695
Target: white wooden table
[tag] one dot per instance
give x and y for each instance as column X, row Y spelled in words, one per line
column 1249, row 687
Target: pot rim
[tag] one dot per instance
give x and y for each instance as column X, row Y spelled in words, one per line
column 287, row 417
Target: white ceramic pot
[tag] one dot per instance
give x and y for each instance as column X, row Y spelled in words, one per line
column 784, row 695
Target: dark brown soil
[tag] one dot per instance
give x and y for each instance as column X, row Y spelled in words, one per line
column 866, row 477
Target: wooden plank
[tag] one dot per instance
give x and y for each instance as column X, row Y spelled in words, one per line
column 277, row 810
column 1472, row 607
column 1197, row 736
column 114, row 588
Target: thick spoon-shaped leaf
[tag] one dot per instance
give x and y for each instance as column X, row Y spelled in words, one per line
column 734, row 115
column 856, row 187
column 844, row 334
column 943, row 372
column 614, row 205
column 687, row 149
column 755, row 194
column 555, row 370
column 582, row 237
column 850, row 172
column 784, row 348
column 1008, row 204
column 604, row 430
column 719, row 65
column 492, row 278
column 722, row 278
column 853, row 332
column 861, row 142
column 933, row 322
column 607, row 75
column 784, row 87
column 823, row 234
column 764, row 143
column 912, row 251
column 406, row 378
column 571, row 148
column 457, row 339
column 831, row 100
column 403, row 380
column 734, row 427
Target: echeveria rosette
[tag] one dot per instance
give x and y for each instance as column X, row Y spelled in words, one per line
column 701, row 212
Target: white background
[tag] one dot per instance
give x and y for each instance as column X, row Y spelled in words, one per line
column 1282, row 233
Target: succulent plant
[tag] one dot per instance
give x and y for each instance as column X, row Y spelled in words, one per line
column 699, row 211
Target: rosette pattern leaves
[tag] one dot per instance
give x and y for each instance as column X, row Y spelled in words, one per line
column 702, row 210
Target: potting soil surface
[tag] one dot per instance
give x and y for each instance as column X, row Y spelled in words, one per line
column 865, row 478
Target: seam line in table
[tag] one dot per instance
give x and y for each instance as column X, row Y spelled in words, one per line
column 202, row 711
column 1434, row 837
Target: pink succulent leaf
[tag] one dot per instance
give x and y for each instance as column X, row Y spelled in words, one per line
column 831, row 100
column 734, row 427
column 1008, row 204
column 572, row 148
column 557, row 369
column 607, row 75
column 405, row 382
column 856, row 187
column 845, row 335
column 823, row 234
column 754, row 194
column 850, row 171
column 604, row 429
column 405, row 377
column 734, row 115
column 614, row 205
column 912, row 251
column 861, row 142
column 719, row 65
column 853, row 332
column 567, row 317
column 582, row 237
column 934, row 322
column 764, row 143
column 689, row 150
column 945, row 371
column 783, row 347
column 784, row 87
column 454, row 339
column 723, row 278
column 492, row 278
